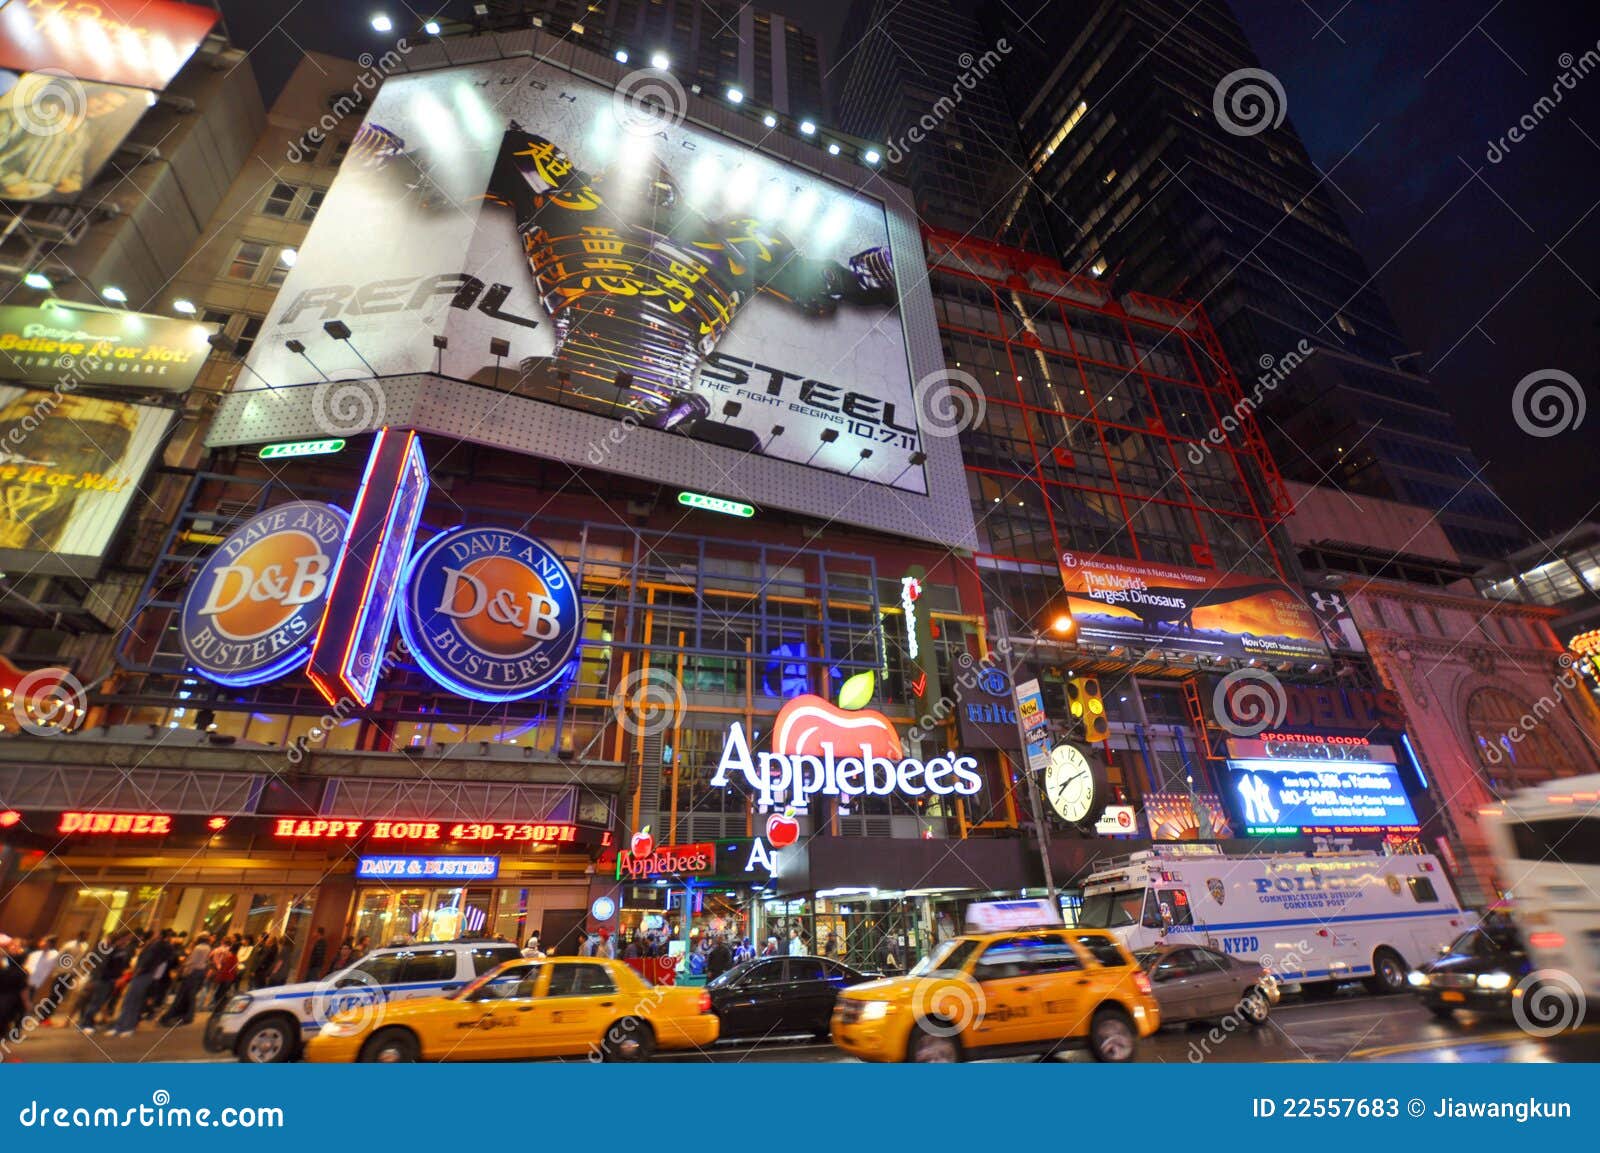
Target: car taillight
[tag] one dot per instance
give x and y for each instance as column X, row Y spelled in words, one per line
column 1142, row 982
column 1546, row 940
column 705, row 1002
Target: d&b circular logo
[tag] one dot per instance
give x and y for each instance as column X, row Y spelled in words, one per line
column 253, row 609
column 490, row 613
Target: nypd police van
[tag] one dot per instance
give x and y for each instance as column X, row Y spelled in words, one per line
column 1309, row 918
column 267, row 1025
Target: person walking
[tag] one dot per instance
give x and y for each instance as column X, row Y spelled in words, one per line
column 719, row 960
column 797, row 947
column 317, row 959
column 13, row 986
column 224, row 971
column 151, row 964
column 770, row 949
column 191, row 976
column 343, row 957
column 103, row 981
column 42, row 968
column 262, row 958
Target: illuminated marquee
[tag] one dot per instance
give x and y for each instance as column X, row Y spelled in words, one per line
column 348, row 830
column 253, row 609
column 358, row 612
column 490, row 613
column 116, row 824
column 663, row 860
column 800, row 776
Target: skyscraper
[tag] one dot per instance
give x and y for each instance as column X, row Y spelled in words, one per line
column 919, row 77
column 1160, row 154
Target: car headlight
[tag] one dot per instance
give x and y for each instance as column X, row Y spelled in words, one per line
column 875, row 1010
column 1418, row 978
column 1494, row 980
column 339, row 1028
column 236, row 1004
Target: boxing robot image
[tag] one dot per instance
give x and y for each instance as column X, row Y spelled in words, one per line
column 640, row 287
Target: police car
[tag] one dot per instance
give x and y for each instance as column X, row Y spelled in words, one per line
column 1311, row 919
column 271, row 1024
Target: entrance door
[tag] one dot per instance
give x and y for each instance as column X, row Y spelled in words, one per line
column 563, row 931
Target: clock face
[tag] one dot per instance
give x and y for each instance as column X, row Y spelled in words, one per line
column 1069, row 784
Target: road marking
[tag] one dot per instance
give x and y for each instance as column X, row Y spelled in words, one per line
column 1462, row 1041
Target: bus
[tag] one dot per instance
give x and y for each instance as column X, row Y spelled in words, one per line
column 1311, row 919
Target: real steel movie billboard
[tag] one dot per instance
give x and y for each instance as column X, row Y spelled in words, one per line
column 649, row 271
column 1146, row 605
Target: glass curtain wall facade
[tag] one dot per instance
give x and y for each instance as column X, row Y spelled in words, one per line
column 1141, row 182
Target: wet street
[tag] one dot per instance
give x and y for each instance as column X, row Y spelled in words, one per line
column 1351, row 1027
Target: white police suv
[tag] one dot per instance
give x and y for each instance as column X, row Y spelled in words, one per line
column 268, row 1025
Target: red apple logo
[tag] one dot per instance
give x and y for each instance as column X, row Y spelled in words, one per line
column 782, row 829
column 643, row 844
column 804, row 723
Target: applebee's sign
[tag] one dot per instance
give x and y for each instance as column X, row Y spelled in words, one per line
column 839, row 751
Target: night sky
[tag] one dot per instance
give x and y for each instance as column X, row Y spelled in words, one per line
column 1492, row 269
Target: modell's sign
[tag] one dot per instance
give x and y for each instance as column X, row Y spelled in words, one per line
column 489, row 613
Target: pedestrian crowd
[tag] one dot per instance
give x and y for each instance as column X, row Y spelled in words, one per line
column 133, row 976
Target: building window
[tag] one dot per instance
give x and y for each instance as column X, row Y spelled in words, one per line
column 247, row 260
column 242, row 327
column 313, row 204
column 280, row 199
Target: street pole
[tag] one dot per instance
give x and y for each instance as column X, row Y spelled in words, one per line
column 1002, row 642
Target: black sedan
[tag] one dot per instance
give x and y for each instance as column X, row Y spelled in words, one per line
column 1479, row 971
column 771, row 996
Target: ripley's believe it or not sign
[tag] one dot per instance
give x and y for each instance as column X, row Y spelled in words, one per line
column 489, row 613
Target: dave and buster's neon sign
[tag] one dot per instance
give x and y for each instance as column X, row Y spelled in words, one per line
column 488, row 613
column 349, row 830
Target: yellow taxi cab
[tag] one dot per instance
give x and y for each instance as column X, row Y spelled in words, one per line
column 588, row 1007
column 1000, row 994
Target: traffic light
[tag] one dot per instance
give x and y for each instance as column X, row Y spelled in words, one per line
column 1086, row 707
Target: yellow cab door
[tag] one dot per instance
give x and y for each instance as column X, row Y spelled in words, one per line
column 1007, row 1009
column 579, row 999
column 1075, row 979
column 492, row 1022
